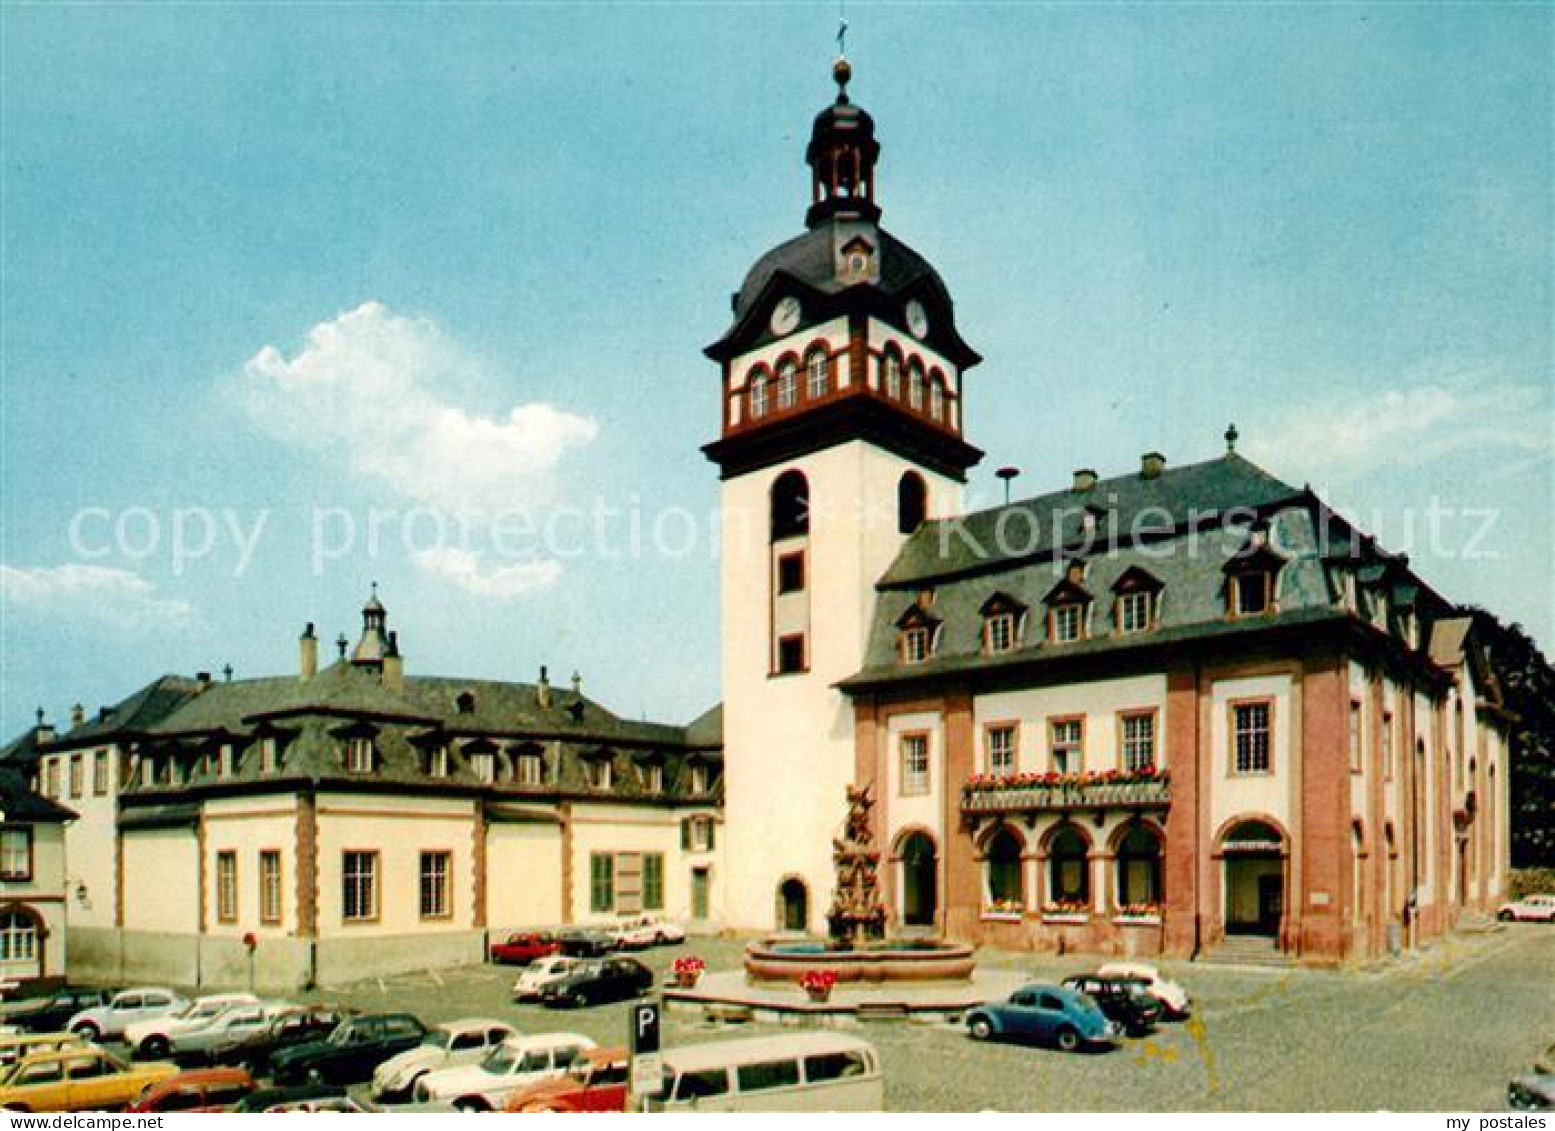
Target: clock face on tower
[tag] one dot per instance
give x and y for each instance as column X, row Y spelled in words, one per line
column 917, row 319
column 785, row 316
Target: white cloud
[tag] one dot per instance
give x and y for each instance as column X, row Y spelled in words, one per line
column 113, row 596
column 465, row 568
column 1340, row 439
column 374, row 388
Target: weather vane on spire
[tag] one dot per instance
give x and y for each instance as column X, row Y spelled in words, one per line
column 842, row 70
column 842, row 34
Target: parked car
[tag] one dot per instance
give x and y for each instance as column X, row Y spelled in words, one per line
column 350, row 1053
column 817, row 1071
column 298, row 1025
column 632, row 934
column 542, row 973
column 585, row 944
column 1044, row 1013
column 321, row 1098
column 598, row 980
column 487, row 1084
column 204, row 1089
column 598, row 1080
column 1170, row 994
column 445, row 1046
column 125, row 1008
column 665, row 931
column 53, row 1013
column 1534, row 1091
column 523, row 948
column 232, row 1026
column 152, row 1039
column 77, row 1079
column 14, row 1046
column 1124, row 1000
column 1531, row 908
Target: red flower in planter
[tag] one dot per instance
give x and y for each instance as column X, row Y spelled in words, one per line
column 691, row 964
column 818, row 981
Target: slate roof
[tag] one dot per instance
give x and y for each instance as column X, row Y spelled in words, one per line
column 19, row 803
column 137, row 712
column 22, row 750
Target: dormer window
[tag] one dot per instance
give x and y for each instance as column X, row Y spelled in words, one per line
column 787, row 386
column 1002, row 616
column 464, row 703
column 1252, row 593
column 700, row 778
column 915, row 645
column 531, row 769
column 653, row 777
column 596, row 772
column 758, row 396
column 817, row 375
column 916, row 632
column 437, row 761
column 1068, row 622
column 484, row 766
column 224, row 761
column 1251, row 578
column 359, row 755
column 1068, row 602
column 1137, row 603
column 269, row 754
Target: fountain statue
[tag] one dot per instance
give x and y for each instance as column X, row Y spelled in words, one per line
column 857, row 916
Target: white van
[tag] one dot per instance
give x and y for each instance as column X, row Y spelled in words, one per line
column 792, row 1072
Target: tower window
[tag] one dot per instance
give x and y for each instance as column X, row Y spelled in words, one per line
column 818, row 380
column 893, row 377
column 758, row 396
column 915, row 387
column 790, row 657
column 787, row 386
column 936, row 399
column 912, row 502
column 790, row 505
column 791, row 573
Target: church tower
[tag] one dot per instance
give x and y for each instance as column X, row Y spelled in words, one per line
column 841, row 432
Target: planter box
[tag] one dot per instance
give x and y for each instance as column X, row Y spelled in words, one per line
column 1002, row 916
column 1078, row 919
column 1155, row 793
column 1137, row 920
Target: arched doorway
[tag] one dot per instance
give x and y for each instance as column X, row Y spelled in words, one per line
column 920, row 881
column 1254, row 853
column 21, row 949
column 793, row 910
column 1005, row 883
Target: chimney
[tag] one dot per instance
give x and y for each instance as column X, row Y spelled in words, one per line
column 308, row 653
column 77, row 715
column 104, row 714
column 44, row 730
column 577, row 685
column 1151, row 464
column 394, row 665
column 203, row 679
column 543, row 689
column 1084, row 478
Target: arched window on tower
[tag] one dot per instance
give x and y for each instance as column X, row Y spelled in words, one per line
column 936, row 397
column 893, row 377
column 758, row 396
column 915, row 386
column 790, row 505
column 818, row 379
column 787, row 386
column 912, row 502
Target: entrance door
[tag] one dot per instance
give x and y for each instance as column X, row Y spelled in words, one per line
column 699, row 894
column 1255, row 886
column 920, row 881
column 1270, row 904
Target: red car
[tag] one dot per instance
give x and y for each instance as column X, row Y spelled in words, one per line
column 597, row 1081
column 522, row 949
column 204, row 1089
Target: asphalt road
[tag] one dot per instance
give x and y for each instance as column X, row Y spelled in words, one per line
column 1439, row 1032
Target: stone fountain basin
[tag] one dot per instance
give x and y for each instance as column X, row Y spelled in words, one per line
column 903, row 960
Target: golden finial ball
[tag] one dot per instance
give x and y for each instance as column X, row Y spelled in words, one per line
column 842, row 70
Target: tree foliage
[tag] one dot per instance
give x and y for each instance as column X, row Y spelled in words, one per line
column 1528, row 687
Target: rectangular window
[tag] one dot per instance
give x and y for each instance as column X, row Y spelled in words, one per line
column 359, row 893
column 435, row 870
column 1138, row 740
column 224, row 760
column 51, row 778
column 226, row 887
column 267, row 752
column 596, row 772
column 790, row 655
column 485, row 767
column 1251, row 740
column 1001, row 751
column 16, row 854
column 531, row 770
column 1066, row 742
column 699, row 834
column 437, row 762
column 915, row 645
column 699, row 778
column 1253, row 592
column 270, row 886
column 1357, row 744
column 100, row 772
column 817, row 373
column 359, row 755
column 915, row 764
column 999, row 632
column 653, row 881
column 1134, row 611
column 791, row 573
column 653, row 777
column 601, row 882
column 1387, row 745
column 77, row 768
column 1068, row 622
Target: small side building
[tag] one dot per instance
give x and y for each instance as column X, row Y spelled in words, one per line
column 33, row 893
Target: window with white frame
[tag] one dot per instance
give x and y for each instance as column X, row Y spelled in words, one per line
column 1067, row 745
column 1252, row 592
column 437, row 761
column 653, row 777
column 436, row 867
column 1135, row 612
column 16, row 854
column 893, row 377
column 758, row 396
column 359, row 755
column 915, row 387
column 915, row 645
column 1138, row 740
column 915, row 764
column 531, row 769
column 359, row 886
column 77, row 771
column 787, row 386
column 699, row 777
column 596, row 771
column 270, row 886
column 1251, row 738
column 999, row 632
column 818, row 379
column 1001, row 750
column 1068, row 622
column 936, row 399
column 484, row 766
column 18, row 941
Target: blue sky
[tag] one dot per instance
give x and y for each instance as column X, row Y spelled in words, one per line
column 263, row 260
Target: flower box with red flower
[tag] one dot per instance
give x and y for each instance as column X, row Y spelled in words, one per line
column 1139, row 788
column 1138, row 914
column 1004, row 910
column 1066, row 911
column 687, row 970
column 818, row 983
